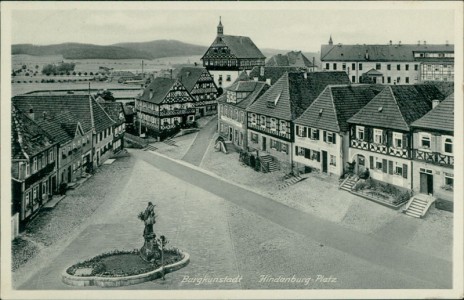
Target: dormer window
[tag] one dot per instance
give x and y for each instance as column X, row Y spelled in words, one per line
column 262, row 121
column 273, row 124
column 283, row 126
column 360, row 133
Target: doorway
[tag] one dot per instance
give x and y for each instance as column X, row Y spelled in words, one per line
column 263, row 145
column 426, row 183
column 324, row 161
column 230, row 134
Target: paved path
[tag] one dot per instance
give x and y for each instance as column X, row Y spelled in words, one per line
column 369, row 248
column 196, row 152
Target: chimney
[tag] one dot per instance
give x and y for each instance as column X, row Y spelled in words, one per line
column 366, row 56
column 31, row 113
column 261, row 71
column 44, row 114
column 435, row 102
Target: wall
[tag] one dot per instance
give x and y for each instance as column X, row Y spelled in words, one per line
column 284, row 159
column 438, row 179
column 233, row 76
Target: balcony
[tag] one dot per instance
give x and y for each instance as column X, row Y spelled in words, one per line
column 360, row 144
column 380, row 148
column 436, row 158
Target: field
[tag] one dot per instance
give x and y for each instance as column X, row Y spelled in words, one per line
column 34, row 64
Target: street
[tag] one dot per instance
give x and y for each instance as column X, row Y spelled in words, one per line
column 230, row 231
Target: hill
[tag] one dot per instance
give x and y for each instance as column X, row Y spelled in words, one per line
column 145, row 50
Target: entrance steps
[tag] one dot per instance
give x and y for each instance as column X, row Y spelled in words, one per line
column 349, row 183
column 269, row 160
column 418, row 205
column 291, row 180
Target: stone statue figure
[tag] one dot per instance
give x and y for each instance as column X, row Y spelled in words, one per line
column 150, row 249
column 149, row 219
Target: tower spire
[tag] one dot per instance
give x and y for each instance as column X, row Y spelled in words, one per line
column 330, row 40
column 220, row 28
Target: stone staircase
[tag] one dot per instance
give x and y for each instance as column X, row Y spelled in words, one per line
column 291, row 180
column 418, row 205
column 268, row 160
column 349, row 182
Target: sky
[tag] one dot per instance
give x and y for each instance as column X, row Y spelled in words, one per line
column 289, row 27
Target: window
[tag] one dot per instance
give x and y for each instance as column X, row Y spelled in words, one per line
column 398, row 169
column 353, row 66
column 50, row 156
column 425, row 141
column 389, row 79
column 389, row 67
column 353, row 79
column 343, row 66
column 448, row 145
column 416, row 67
column 398, row 67
column 34, row 192
column 333, row 161
column 360, row 133
column 34, row 166
column 44, row 189
column 273, row 124
column 327, row 66
column 360, row 67
column 254, row 137
column 335, row 66
column 407, row 79
column 28, row 200
column 397, row 140
column 378, row 136
column 301, row 131
column 262, row 121
column 406, row 67
column 284, row 148
column 253, row 118
column 316, row 155
column 378, row 67
column 28, row 169
column 449, row 179
column 228, row 78
column 314, row 134
column 378, row 163
column 398, row 79
column 330, row 137
column 283, row 127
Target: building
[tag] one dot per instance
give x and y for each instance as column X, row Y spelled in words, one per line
column 270, row 75
column 73, row 142
column 390, row 63
column 33, row 167
column 164, row 107
column 291, row 59
column 116, row 112
column 229, row 55
column 232, row 116
column 200, row 84
column 433, row 152
column 380, row 137
column 90, row 114
column 322, row 131
column 271, row 117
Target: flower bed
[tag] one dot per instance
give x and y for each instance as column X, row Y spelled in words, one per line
column 121, row 263
column 382, row 192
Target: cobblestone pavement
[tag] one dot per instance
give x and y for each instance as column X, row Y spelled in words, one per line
column 231, row 232
column 319, row 195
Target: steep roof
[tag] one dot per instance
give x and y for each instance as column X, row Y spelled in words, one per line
column 27, row 137
column 397, row 107
column 289, row 97
column 272, row 73
column 439, row 118
column 240, row 46
column 335, row 105
column 158, row 89
column 242, row 77
column 63, row 127
column 115, row 111
column 189, row 76
column 290, row 59
column 255, row 88
column 378, row 52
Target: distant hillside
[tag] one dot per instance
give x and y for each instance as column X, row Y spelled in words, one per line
column 145, row 50
column 165, row 48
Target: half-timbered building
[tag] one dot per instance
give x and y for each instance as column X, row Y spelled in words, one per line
column 271, row 118
column 380, row 137
column 165, row 106
column 228, row 55
column 200, row 84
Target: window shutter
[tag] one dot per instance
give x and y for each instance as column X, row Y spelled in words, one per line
column 334, row 138
column 317, row 134
column 371, row 162
column 307, row 153
column 405, row 171
column 324, row 136
column 384, row 137
column 304, row 132
column 297, row 130
column 368, row 132
column 384, row 165
column 390, row 167
column 352, row 135
column 318, row 156
column 296, row 150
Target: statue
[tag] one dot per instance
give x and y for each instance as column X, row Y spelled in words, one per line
column 150, row 249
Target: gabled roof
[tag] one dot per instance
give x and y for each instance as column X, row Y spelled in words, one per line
column 189, row 76
column 255, row 88
column 240, row 46
column 242, row 77
column 439, row 118
column 335, row 105
column 62, row 127
column 293, row 93
column 397, row 106
column 157, row 89
column 291, row 59
column 115, row 111
column 378, row 52
column 27, row 137
column 272, row 73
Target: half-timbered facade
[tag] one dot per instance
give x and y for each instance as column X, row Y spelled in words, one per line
column 322, row 133
column 380, row 137
column 165, row 106
column 433, row 151
column 228, row 55
column 200, row 84
column 232, row 115
column 33, row 168
column 271, row 117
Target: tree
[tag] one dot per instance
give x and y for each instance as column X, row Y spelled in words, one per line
column 37, row 67
column 106, row 95
column 24, row 67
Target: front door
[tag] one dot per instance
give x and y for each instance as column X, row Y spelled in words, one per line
column 324, row 161
column 426, row 183
column 263, row 145
column 230, row 134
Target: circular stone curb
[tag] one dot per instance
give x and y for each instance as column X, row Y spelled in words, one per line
column 124, row 280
